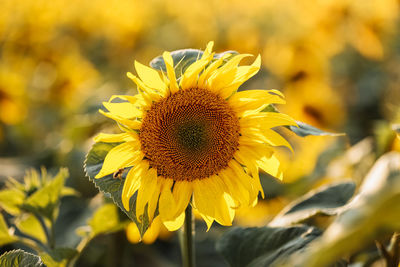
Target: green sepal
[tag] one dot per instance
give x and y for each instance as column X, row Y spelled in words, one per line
column 112, row 187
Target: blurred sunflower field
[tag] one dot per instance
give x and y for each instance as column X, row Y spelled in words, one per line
column 336, row 61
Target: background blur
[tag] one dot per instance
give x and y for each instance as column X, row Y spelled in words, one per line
column 337, row 61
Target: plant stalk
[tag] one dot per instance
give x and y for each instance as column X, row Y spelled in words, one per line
column 187, row 239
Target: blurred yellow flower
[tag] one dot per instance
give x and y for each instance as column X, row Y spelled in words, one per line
column 195, row 140
column 313, row 102
column 303, row 162
column 12, row 103
column 361, row 23
column 261, row 214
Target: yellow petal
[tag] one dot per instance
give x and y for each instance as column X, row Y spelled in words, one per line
column 169, row 64
column 121, row 156
column 267, row 136
column 132, row 182
column 233, row 62
column 205, row 196
column 247, row 157
column 254, row 100
column 151, row 234
column 189, row 78
column 153, row 202
column 208, row 50
column 253, row 152
column 149, row 94
column 132, row 233
column 225, row 75
column 223, row 214
column 153, row 231
column 208, row 219
column 230, row 204
column 245, row 180
column 147, row 189
column 242, row 74
column 203, row 79
column 235, row 189
column 208, row 198
column 124, row 110
column 132, row 124
column 271, row 166
column 137, row 100
column 276, row 139
column 266, row 120
column 151, row 78
column 224, row 210
column 167, row 204
column 175, row 224
column 114, row 138
column 182, row 193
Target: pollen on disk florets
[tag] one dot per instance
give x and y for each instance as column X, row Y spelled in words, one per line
column 189, row 135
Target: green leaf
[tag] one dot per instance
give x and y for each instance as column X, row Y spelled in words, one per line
column 108, row 185
column 183, row 59
column 5, row 237
column 17, row 258
column 304, row 129
column 46, row 199
column 58, row 257
column 374, row 212
column 327, row 200
column 105, row 220
column 11, row 200
column 29, row 225
column 264, row 246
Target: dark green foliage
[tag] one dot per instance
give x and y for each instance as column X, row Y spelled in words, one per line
column 264, row 246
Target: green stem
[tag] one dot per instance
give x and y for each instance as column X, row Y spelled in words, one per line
column 187, row 239
column 79, row 249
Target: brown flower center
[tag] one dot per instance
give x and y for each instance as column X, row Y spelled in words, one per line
column 189, row 135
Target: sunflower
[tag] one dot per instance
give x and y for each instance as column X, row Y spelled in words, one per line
column 194, row 140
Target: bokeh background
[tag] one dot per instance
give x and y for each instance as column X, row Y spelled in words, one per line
column 337, row 61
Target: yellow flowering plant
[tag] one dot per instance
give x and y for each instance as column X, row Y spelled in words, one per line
column 189, row 138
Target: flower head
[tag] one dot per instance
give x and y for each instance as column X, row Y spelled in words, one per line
column 194, row 139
